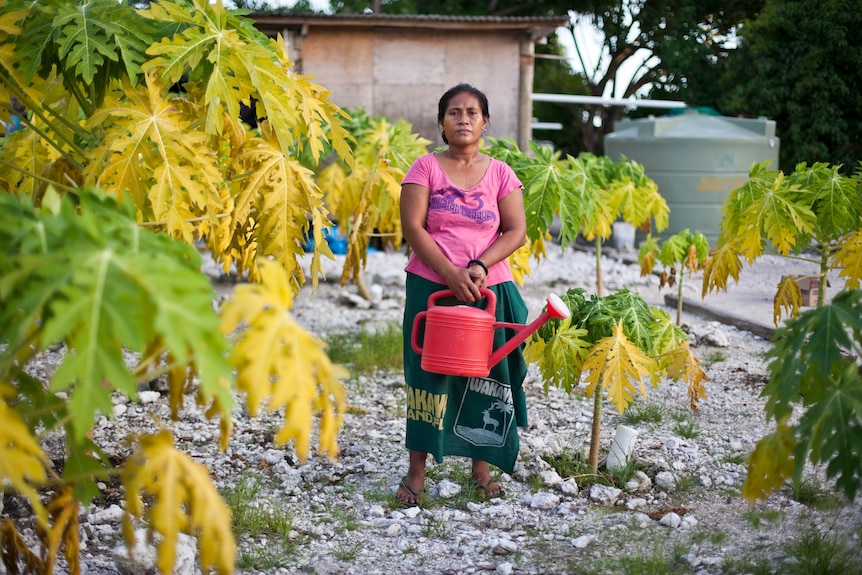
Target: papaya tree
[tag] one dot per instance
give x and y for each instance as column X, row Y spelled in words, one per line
column 588, row 194
column 814, row 366
column 615, row 344
column 364, row 193
column 816, row 209
column 132, row 155
column 685, row 249
column 814, row 358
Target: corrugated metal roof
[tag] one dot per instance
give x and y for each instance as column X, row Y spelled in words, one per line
column 537, row 26
column 379, row 18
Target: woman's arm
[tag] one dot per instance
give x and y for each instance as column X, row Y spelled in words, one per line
column 414, row 211
column 513, row 229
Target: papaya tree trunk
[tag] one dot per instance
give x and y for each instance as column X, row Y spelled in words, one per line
column 824, row 268
column 679, row 296
column 595, row 437
column 600, row 286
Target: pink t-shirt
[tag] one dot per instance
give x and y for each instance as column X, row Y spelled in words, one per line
column 464, row 223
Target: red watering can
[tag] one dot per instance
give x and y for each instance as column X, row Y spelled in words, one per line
column 459, row 339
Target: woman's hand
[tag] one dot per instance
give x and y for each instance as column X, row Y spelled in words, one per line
column 465, row 283
column 478, row 275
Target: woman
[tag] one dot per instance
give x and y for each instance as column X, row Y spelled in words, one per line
column 462, row 214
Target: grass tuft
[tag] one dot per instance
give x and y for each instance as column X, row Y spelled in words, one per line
column 365, row 352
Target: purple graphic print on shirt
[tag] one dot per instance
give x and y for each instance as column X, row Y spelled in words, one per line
column 458, row 202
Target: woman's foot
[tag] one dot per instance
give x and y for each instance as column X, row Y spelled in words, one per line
column 483, row 483
column 410, row 492
column 487, row 489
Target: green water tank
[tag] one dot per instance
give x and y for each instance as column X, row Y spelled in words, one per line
column 696, row 159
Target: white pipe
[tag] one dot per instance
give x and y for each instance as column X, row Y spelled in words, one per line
column 601, row 100
column 546, row 126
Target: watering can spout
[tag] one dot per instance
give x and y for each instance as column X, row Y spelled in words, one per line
column 556, row 308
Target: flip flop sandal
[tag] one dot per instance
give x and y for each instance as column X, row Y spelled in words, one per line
column 418, row 496
column 484, row 491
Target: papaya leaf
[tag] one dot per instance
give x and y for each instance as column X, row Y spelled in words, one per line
column 647, row 252
column 543, row 182
column 771, row 463
column 834, row 198
column 100, row 284
column 848, row 258
column 685, row 365
column 807, row 352
column 184, row 500
column 619, row 364
column 14, row 549
column 277, row 360
column 63, row 532
column 724, row 263
column 831, row 431
column 560, row 356
column 22, row 461
column 519, row 263
column 788, row 296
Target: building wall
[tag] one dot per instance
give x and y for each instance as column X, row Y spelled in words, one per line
column 401, row 73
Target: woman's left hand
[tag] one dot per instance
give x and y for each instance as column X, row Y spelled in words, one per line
column 477, row 274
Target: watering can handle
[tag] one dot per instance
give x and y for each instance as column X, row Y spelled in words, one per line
column 491, row 307
column 414, row 339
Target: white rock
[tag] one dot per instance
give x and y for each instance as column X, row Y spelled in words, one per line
column 639, row 483
column 671, row 520
column 113, row 514
column 544, row 500
column 504, row 568
column 582, row 541
column 569, row 487
column 604, row 494
column 149, row 396
column 551, row 478
column 446, row 489
column 273, row 456
column 665, row 480
column 141, row 559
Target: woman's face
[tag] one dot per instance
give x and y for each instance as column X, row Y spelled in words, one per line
column 463, row 121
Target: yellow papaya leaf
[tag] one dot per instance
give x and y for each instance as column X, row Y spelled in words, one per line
column 692, row 264
column 184, row 499
column 280, row 364
column 788, row 296
column 538, row 248
column 22, row 461
column 619, row 364
column 13, row 549
column 519, row 262
column 848, row 258
column 63, row 510
column 771, row 463
column 534, row 349
column 724, row 263
column 684, row 365
column 647, row 263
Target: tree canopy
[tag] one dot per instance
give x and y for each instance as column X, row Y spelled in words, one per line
column 799, row 65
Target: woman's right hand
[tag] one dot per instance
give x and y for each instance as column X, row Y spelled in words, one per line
column 465, row 283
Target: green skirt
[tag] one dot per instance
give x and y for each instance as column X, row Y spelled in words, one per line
column 475, row 417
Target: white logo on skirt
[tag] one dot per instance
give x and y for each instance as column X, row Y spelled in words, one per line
column 486, row 412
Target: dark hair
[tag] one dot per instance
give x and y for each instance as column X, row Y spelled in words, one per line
column 454, row 91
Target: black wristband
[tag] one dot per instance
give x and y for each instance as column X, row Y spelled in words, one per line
column 479, row 263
